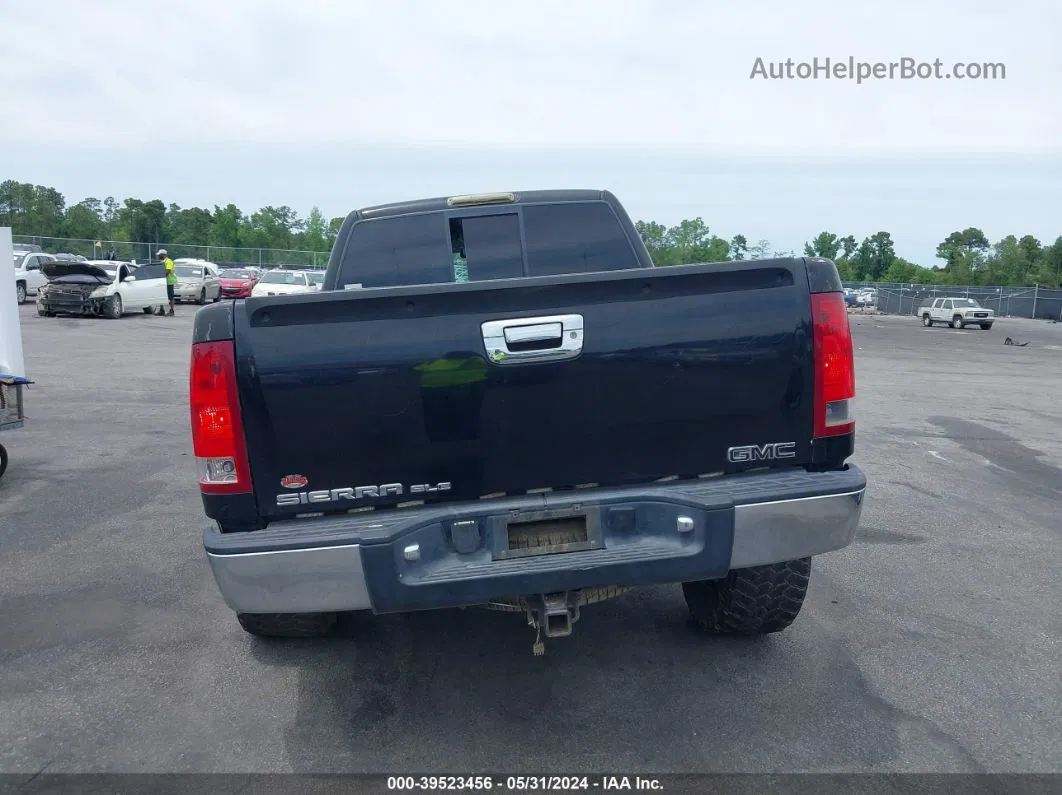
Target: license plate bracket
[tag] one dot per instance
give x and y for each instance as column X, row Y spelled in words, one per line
column 549, row 532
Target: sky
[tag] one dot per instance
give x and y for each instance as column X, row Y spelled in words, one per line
column 346, row 104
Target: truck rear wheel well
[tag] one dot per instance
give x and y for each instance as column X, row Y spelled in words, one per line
column 753, row 601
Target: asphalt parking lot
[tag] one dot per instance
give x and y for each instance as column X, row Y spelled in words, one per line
column 931, row 644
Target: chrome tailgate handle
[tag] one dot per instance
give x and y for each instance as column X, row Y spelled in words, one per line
column 540, row 332
column 533, row 339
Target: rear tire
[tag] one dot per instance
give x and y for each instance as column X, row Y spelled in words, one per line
column 3, row 460
column 148, row 310
column 986, row 326
column 927, row 321
column 20, row 292
column 753, row 601
column 287, row 625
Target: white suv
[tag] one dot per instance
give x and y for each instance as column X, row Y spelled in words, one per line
column 28, row 276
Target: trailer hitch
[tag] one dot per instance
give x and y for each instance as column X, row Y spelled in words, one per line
column 552, row 615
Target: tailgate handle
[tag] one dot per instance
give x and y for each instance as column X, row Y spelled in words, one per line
column 533, row 339
column 540, row 332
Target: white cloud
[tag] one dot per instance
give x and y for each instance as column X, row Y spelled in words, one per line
column 563, row 73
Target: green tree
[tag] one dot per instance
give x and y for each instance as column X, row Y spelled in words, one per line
column 227, row 227
column 272, row 227
column 110, row 211
column 1007, row 263
column 653, row 235
column 844, row 265
column 48, row 211
column 687, row 242
column 191, row 227
column 144, row 224
column 333, row 230
column 825, row 244
column 1048, row 271
column 692, row 241
column 739, row 247
column 84, row 221
column 315, row 235
column 961, row 268
column 901, row 271
column 31, row 209
column 762, row 250
column 874, row 257
column 95, row 206
column 718, row 250
column 1032, row 247
column 960, row 248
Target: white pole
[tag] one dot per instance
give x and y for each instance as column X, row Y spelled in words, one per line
column 11, row 357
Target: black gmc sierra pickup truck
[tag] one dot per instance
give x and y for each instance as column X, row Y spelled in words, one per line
column 496, row 400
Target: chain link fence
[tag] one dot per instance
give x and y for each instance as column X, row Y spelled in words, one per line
column 1030, row 302
column 221, row 255
column 893, row 299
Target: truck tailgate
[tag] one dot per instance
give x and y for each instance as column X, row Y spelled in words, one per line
column 378, row 397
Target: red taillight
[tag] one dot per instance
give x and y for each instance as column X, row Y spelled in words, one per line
column 834, row 366
column 217, row 427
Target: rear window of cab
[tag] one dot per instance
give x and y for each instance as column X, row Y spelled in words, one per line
column 480, row 244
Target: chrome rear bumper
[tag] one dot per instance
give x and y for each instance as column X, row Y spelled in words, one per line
column 361, row 562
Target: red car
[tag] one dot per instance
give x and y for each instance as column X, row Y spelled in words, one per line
column 237, row 283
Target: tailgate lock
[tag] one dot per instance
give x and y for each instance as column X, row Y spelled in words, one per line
column 531, row 340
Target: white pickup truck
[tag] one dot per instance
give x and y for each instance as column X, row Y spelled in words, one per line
column 28, row 276
column 957, row 313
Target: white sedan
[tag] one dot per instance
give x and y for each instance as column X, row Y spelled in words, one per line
column 278, row 282
column 100, row 287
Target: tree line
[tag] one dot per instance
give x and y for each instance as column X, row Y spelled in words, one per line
column 39, row 211
column 965, row 256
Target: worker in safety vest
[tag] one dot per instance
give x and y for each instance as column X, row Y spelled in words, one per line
column 171, row 279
